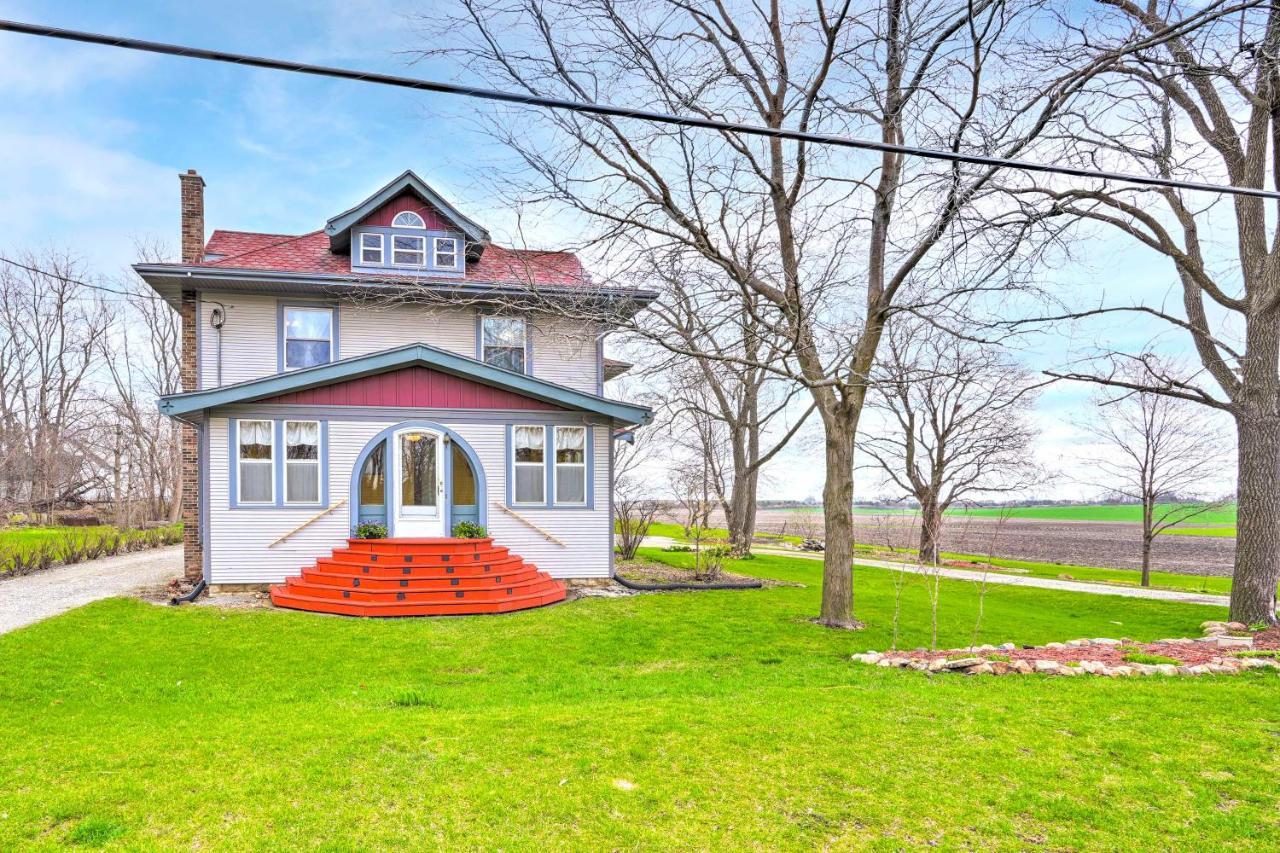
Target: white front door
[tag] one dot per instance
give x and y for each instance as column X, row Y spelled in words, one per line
column 418, row 498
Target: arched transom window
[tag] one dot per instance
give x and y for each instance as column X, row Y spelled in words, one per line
column 408, row 219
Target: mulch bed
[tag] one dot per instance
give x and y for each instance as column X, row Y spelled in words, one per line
column 638, row 571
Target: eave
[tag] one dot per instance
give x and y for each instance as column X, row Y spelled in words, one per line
column 179, row 405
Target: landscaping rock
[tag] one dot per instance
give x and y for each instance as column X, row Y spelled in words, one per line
column 1228, row 642
column 981, row 669
column 1166, row 669
column 1047, row 666
column 1007, row 647
column 1237, row 626
column 1075, row 644
column 962, row 663
column 1205, row 626
column 1221, row 669
column 1104, row 641
column 1020, row 666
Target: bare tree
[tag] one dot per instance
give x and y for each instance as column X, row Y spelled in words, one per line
column 718, row 378
column 50, row 331
column 1160, row 449
column 1200, row 102
column 958, row 423
column 633, row 508
column 821, row 251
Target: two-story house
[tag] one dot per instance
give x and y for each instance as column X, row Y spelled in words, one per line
column 394, row 368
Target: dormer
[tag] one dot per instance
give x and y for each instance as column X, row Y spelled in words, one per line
column 407, row 227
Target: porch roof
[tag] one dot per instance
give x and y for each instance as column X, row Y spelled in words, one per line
column 395, row 359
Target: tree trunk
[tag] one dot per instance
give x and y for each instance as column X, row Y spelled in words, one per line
column 741, row 515
column 1146, row 559
column 1148, row 519
column 837, row 512
column 1257, row 565
column 930, row 529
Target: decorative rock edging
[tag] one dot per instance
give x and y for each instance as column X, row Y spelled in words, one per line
column 1101, row 656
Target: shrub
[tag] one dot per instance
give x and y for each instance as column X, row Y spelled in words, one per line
column 678, row 549
column 711, row 564
column 1150, row 660
column 371, row 531
column 469, row 530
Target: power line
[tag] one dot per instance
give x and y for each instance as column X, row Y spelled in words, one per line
column 126, row 295
column 439, row 87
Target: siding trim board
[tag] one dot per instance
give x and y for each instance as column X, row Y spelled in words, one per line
column 414, row 354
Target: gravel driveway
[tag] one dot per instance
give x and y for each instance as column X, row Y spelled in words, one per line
column 34, row 597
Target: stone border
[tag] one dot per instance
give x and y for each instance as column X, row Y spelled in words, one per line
column 979, row 661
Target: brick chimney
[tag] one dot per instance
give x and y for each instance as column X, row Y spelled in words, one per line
column 192, row 217
column 192, row 252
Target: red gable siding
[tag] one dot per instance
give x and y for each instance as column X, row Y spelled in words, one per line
column 413, row 387
column 408, row 201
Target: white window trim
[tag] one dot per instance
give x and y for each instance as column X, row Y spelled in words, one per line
column 557, row 465
column 381, row 247
column 422, row 224
column 540, row 466
column 270, row 463
column 524, row 339
column 284, row 483
column 435, row 252
column 284, row 355
column 421, row 251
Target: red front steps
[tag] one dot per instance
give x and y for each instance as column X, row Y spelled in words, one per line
column 418, row 577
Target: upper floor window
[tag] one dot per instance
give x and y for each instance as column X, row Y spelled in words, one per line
column 408, row 219
column 502, row 342
column 370, row 248
column 445, row 252
column 308, row 337
column 408, row 251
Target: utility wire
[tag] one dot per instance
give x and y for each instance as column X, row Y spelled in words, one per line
column 423, row 85
column 125, row 295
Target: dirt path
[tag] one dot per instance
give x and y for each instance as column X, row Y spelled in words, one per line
column 29, row 599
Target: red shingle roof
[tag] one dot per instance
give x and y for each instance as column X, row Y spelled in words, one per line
column 309, row 253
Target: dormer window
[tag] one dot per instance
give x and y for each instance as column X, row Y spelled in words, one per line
column 408, row 219
column 370, row 248
column 407, row 251
column 445, row 252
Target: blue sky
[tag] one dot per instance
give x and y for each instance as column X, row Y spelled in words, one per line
column 94, row 137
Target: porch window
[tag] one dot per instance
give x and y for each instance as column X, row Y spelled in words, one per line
column 408, row 251
column 255, row 462
column 529, row 465
column 308, row 337
column 571, row 465
column 302, row 462
column 373, row 482
column 503, row 341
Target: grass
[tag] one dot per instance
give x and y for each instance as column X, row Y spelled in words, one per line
column 40, row 547
column 704, row 720
column 1028, row 568
column 1150, row 660
column 1220, row 522
column 30, row 536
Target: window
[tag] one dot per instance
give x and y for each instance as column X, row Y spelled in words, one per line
column 255, row 462
column 503, row 342
column 528, row 465
column 373, row 481
column 444, row 252
column 408, row 251
column 370, row 248
column 571, row 465
column 408, row 219
column 308, row 337
column 301, row 462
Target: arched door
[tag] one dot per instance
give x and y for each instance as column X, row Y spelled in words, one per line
column 418, row 494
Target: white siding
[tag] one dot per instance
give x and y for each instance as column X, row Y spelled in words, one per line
column 565, row 352
column 367, row 329
column 248, row 338
column 240, row 539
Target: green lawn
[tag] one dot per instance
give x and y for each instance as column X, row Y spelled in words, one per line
column 690, row 720
column 27, row 536
column 1220, row 521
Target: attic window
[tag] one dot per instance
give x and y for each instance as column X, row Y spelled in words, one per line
column 446, row 252
column 408, row 219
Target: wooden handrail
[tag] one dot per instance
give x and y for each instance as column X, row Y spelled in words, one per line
column 511, row 512
column 313, row 519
